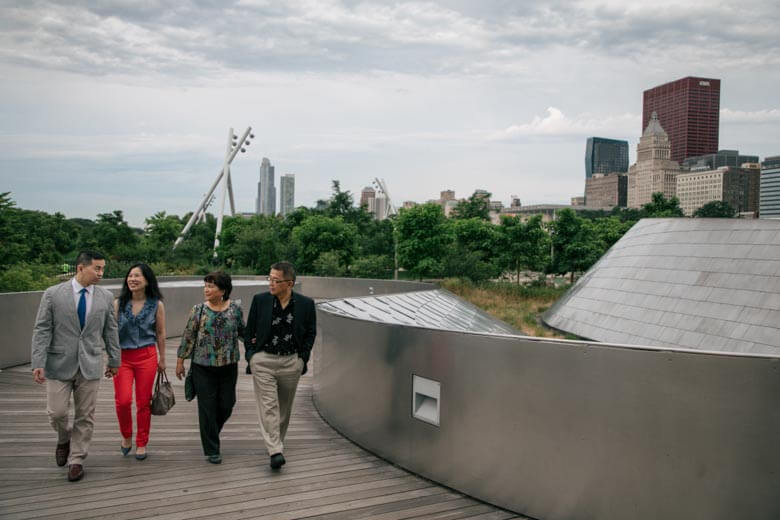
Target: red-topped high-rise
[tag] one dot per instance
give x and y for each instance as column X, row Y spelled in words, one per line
column 689, row 111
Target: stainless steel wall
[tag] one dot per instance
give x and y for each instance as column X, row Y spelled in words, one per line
column 18, row 310
column 321, row 287
column 561, row 429
column 17, row 317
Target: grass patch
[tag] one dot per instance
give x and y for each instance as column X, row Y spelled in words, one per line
column 519, row 305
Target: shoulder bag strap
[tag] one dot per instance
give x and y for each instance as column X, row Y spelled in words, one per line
column 197, row 331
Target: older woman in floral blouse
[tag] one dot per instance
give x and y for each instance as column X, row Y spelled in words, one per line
column 211, row 339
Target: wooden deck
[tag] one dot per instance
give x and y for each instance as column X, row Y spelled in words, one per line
column 326, row 476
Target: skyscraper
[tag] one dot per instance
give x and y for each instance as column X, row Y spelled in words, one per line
column 689, row 110
column 380, row 206
column 770, row 188
column 368, row 194
column 286, row 194
column 266, row 191
column 604, row 155
column 653, row 171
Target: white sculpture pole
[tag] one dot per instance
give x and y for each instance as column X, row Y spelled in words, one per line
column 201, row 207
column 389, row 210
column 225, row 181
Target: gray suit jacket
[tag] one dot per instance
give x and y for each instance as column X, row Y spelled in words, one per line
column 61, row 347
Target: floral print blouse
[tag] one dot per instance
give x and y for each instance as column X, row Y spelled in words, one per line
column 217, row 335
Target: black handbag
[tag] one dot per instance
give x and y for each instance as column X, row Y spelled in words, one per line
column 189, row 384
column 163, row 398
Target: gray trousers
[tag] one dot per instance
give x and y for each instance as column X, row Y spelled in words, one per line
column 85, row 392
column 275, row 380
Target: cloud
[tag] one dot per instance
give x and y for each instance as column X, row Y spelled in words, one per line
column 199, row 40
column 557, row 124
column 771, row 115
column 423, row 93
column 102, row 147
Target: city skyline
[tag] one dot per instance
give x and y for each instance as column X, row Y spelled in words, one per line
column 125, row 107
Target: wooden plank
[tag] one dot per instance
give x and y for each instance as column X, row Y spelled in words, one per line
column 326, row 476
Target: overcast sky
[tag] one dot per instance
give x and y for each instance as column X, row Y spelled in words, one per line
column 126, row 104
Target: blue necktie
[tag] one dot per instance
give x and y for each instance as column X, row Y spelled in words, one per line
column 82, row 309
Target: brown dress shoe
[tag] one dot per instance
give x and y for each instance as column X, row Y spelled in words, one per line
column 75, row 472
column 61, row 453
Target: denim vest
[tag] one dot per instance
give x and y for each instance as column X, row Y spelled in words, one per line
column 139, row 330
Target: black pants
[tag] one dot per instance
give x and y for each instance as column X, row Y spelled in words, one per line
column 216, row 391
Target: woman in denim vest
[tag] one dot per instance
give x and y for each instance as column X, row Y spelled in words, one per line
column 141, row 319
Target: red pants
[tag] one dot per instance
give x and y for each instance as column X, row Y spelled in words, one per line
column 139, row 365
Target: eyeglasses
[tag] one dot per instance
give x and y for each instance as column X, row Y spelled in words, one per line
column 275, row 281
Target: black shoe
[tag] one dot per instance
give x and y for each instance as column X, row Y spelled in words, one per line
column 215, row 459
column 61, row 453
column 277, row 461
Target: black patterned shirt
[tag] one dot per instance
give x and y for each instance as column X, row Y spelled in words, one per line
column 281, row 341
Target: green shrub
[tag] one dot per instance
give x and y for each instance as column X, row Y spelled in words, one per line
column 372, row 266
column 27, row 277
column 327, row 264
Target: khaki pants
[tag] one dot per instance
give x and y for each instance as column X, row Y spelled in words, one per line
column 275, row 380
column 85, row 392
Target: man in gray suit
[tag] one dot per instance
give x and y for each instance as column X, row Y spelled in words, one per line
column 75, row 324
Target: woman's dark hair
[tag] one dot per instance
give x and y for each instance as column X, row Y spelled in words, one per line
column 222, row 280
column 152, row 289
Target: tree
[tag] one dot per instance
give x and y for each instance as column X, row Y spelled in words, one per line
column 475, row 255
column 160, row 233
column 33, row 236
column 660, row 206
column 48, row 237
column 422, row 239
column 340, row 203
column 372, row 266
column 716, row 209
column 319, row 234
column 113, row 237
column 627, row 214
column 525, row 245
column 576, row 245
column 197, row 247
column 251, row 242
column 162, row 230
column 609, row 230
column 476, row 206
column 376, row 237
column 12, row 243
column 328, row 264
column 26, row 277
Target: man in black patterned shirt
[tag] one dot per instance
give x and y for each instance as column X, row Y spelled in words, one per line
column 280, row 332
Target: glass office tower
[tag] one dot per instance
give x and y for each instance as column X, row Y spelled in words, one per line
column 604, row 155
